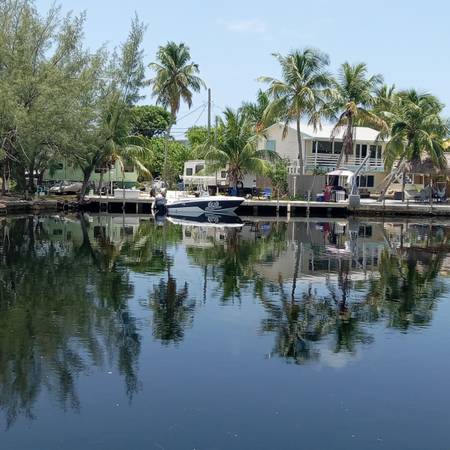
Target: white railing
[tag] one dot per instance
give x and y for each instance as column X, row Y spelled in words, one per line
column 328, row 162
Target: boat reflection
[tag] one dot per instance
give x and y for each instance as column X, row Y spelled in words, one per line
column 208, row 220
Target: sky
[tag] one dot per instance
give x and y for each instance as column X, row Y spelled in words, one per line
column 233, row 41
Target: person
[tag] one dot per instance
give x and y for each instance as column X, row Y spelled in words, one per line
column 327, row 193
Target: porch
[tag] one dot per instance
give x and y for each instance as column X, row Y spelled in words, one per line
column 327, row 162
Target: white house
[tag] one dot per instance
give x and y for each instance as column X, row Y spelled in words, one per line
column 321, row 151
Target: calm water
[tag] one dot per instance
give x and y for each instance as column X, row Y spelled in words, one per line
column 116, row 333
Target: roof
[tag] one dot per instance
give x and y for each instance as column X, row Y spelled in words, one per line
column 426, row 166
column 325, row 131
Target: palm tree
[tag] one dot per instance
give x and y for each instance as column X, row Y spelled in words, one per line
column 302, row 92
column 176, row 78
column 385, row 101
column 417, row 130
column 254, row 112
column 237, row 149
column 355, row 96
column 123, row 150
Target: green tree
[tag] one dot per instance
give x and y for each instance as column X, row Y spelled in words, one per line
column 354, row 97
column 115, row 88
column 302, row 92
column 177, row 154
column 278, row 175
column 197, row 135
column 417, row 131
column 237, row 149
column 42, row 63
column 149, row 121
column 176, row 79
column 254, row 112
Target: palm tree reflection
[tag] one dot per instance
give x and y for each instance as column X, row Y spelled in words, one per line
column 172, row 312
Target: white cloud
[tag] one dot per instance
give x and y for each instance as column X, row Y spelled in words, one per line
column 245, row 25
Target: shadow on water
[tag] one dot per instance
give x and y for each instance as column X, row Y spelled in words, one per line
column 66, row 285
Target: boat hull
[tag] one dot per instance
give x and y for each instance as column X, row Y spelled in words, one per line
column 197, row 206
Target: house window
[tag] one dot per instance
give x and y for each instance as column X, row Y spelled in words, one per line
column 365, row 231
column 199, row 167
column 271, row 145
column 322, row 146
column 361, row 150
column 128, row 168
column 337, row 147
column 375, row 151
column 189, row 171
column 223, row 174
column 59, row 166
column 365, row 181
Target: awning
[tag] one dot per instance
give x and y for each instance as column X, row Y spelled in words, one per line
column 341, row 173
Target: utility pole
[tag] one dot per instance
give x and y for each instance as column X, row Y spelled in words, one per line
column 216, row 123
column 209, row 115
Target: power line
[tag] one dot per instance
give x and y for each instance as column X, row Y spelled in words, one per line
column 200, row 115
column 191, row 112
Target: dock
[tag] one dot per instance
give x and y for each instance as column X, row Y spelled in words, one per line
column 284, row 208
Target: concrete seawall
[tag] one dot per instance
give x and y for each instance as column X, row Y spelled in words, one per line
column 288, row 208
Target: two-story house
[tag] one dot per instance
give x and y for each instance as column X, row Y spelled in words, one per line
column 321, row 151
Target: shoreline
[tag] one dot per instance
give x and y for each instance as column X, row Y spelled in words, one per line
column 249, row 208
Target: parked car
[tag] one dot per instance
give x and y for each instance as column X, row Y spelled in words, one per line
column 66, row 187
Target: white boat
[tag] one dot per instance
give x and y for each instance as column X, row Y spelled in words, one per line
column 180, row 204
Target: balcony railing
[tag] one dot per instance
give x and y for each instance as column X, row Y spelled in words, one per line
column 327, row 162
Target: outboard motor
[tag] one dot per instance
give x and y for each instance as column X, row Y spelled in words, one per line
column 160, row 204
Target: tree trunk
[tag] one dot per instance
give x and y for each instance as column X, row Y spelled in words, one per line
column 4, row 179
column 347, row 146
column 403, row 184
column 86, row 178
column 100, row 182
column 31, row 187
column 300, row 147
column 390, row 180
column 166, row 147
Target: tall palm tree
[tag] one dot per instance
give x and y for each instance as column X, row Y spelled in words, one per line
column 354, row 99
column 176, row 78
column 237, row 149
column 417, row 131
column 302, row 91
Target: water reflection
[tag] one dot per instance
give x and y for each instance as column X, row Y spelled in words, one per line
column 66, row 285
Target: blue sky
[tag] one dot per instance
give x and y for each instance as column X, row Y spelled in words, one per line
column 232, row 41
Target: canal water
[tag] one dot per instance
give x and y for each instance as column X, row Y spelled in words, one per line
column 119, row 333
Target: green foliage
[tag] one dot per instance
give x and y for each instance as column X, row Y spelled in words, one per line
column 197, row 135
column 149, row 121
column 278, row 175
column 417, row 130
column 177, row 155
column 236, row 149
column 303, row 90
column 354, row 95
column 255, row 112
column 176, row 77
